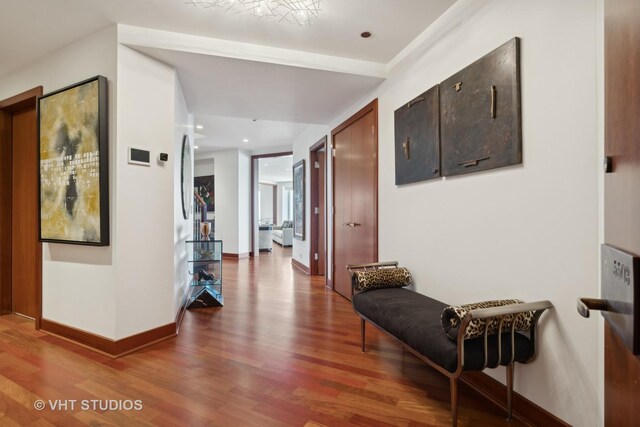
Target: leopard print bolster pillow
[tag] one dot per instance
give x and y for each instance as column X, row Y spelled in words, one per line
column 368, row 280
column 453, row 315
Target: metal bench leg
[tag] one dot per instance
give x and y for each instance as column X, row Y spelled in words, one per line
column 510, row 372
column 454, row 401
column 362, row 333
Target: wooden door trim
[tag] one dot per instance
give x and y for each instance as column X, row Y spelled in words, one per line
column 314, row 199
column 21, row 100
column 7, row 107
column 370, row 107
column 253, row 190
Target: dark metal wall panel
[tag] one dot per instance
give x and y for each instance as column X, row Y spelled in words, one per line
column 417, row 138
column 480, row 114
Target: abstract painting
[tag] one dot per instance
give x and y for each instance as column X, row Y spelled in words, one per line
column 204, row 186
column 73, row 159
column 298, row 200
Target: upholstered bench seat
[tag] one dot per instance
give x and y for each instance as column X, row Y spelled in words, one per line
column 414, row 319
column 452, row 339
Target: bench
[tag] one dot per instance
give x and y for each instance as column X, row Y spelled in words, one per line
column 414, row 320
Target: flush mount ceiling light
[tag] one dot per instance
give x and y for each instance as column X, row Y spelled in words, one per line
column 299, row 12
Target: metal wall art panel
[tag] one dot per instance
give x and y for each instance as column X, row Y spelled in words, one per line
column 480, row 114
column 417, row 138
column 74, row 169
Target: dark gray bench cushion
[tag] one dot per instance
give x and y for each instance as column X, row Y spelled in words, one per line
column 414, row 319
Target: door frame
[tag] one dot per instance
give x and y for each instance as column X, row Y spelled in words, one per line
column 315, row 196
column 254, row 188
column 7, row 108
column 370, row 107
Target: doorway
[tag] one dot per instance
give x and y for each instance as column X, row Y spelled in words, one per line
column 271, row 191
column 355, row 195
column 20, row 249
column 317, row 247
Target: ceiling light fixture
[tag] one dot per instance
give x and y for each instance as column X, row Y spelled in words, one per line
column 245, row 140
column 299, row 12
column 199, row 127
column 195, row 147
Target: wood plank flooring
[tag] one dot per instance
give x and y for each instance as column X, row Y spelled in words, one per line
column 284, row 351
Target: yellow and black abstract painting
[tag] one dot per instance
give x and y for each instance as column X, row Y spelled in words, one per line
column 72, row 129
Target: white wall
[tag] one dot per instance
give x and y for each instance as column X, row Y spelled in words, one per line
column 266, row 201
column 151, row 230
column 529, row 231
column 301, row 145
column 101, row 289
column 77, row 281
column 279, row 190
column 244, row 202
column 204, row 167
column 233, row 200
column 226, row 193
column 183, row 228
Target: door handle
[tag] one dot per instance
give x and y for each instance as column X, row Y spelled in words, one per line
column 586, row 304
column 355, row 224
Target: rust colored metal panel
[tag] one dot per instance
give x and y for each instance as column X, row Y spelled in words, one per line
column 417, row 135
column 622, row 199
column 480, row 114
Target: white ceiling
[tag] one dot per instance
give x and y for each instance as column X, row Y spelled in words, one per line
column 30, row 29
column 214, row 85
column 284, row 75
column 275, row 169
column 221, row 133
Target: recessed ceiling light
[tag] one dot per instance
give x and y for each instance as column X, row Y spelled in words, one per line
column 365, row 35
column 195, row 147
column 199, row 127
column 245, row 140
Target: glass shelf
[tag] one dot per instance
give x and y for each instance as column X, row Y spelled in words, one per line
column 204, row 258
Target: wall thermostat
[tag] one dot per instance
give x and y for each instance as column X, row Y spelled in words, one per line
column 163, row 157
column 138, row 156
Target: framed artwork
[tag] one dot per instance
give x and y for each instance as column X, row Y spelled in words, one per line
column 298, row 200
column 186, row 175
column 204, row 186
column 73, row 162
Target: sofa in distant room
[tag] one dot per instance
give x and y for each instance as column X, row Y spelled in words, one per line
column 283, row 234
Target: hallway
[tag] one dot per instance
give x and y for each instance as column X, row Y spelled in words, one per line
column 283, row 351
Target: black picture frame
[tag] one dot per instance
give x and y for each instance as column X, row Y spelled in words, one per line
column 186, row 178
column 298, row 200
column 73, row 160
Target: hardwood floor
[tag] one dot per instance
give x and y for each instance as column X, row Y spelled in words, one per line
column 284, row 351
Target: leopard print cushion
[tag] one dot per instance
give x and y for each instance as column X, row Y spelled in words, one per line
column 368, row 280
column 453, row 315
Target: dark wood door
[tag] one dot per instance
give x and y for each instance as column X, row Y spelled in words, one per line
column 622, row 198
column 355, row 197
column 24, row 212
column 321, row 250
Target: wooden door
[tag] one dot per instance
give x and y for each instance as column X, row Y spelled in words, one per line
column 342, row 209
column 24, row 212
column 355, row 195
column 321, row 247
column 622, row 195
